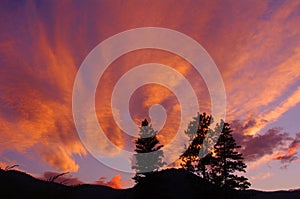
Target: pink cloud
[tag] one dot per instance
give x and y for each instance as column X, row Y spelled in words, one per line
column 290, row 153
column 261, row 176
column 261, row 148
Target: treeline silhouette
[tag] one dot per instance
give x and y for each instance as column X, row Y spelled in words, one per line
column 212, row 153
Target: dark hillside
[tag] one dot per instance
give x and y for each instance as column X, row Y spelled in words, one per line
column 175, row 183
column 170, row 183
column 273, row 195
column 16, row 184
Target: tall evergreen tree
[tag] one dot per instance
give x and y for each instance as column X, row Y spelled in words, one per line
column 222, row 161
column 197, row 131
column 227, row 161
column 149, row 156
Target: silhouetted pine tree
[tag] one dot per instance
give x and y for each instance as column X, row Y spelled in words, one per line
column 197, row 131
column 145, row 161
column 227, row 161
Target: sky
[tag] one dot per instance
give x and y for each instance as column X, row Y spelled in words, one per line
column 254, row 44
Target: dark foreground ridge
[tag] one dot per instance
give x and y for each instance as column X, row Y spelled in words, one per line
column 170, row 183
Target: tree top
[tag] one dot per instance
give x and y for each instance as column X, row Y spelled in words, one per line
column 145, row 122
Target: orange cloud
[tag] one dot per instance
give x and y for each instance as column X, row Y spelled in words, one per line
column 146, row 96
column 258, row 58
column 275, row 114
column 116, row 182
column 36, row 88
column 264, row 62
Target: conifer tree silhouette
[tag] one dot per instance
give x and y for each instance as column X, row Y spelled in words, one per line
column 227, row 160
column 222, row 161
column 197, row 131
column 149, row 156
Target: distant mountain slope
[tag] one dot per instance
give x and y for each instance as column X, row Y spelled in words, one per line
column 171, row 183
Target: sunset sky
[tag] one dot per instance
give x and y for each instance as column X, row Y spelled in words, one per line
column 254, row 44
